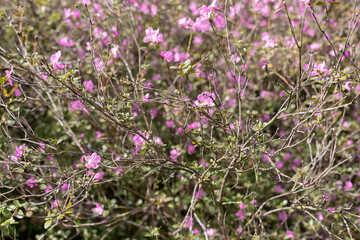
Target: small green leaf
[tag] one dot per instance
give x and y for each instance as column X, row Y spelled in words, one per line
column 18, row 170
column 2, row 80
column 48, row 224
column 29, row 214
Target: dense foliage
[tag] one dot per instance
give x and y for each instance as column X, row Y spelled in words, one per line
column 179, row 119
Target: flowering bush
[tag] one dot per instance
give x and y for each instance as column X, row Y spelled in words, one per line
column 174, row 119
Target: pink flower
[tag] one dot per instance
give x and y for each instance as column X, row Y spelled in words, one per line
column 320, row 217
column 85, row 2
column 54, row 59
column 174, row 154
column 78, row 105
column 139, row 141
column 290, row 234
column 119, row 170
column 331, row 211
column 99, row 64
column 8, row 74
column 210, row 232
column 278, row 189
column 158, row 141
column 76, row 13
column 98, row 134
column 319, row 68
column 48, row 188
column 89, row 86
column 18, row 152
column 55, row 203
column 348, row 185
column 115, row 51
column 191, row 149
column 205, row 13
column 153, row 10
column 98, row 176
column 67, row 12
column 31, row 182
column 64, row 187
column 205, row 99
column 66, row 42
column 189, row 222
column 153, row 36
column 241, row 215
column 146, row 98
column 42, row 146
column 92, row 161
column 213, row 5
column 98, row 209
column 282, row 216
column 44, row 76
column 168, row 55
column 199, row 194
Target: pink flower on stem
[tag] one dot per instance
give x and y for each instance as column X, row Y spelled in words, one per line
column 119, row 170
column 205, row 13
column 54, row 60
column 18, row 152
column 139, row 141
column 199, row 194
column 98, row 176
column 66, row 42
column 48, row 188
column 78, row 105
column 31, row 182
column 44, row 76
column 167, row 55
column 67, row 13
column 189, row 222
column 153, row 36
column 55, row 203
column 319, row 68
column 64, row 187
column 8, row 74
column 174, row 153
column 240, row 214
column 92, row 161
column 42, row 146
column 348, row 185
column 98, row 209
column 98, row 134
column 331, row 211
column 205, row 99
column 99, row 64
column 89, row 86
column 85, row 2
column 210, row 232
column 146, row 98
column 290, row 234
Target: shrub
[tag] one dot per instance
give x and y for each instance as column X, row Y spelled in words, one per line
column 172, row 119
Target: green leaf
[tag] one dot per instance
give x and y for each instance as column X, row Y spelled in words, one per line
column 48, row 224
column 18, row 170
column 2, row 80
column 77, row 223
column 29, row 213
